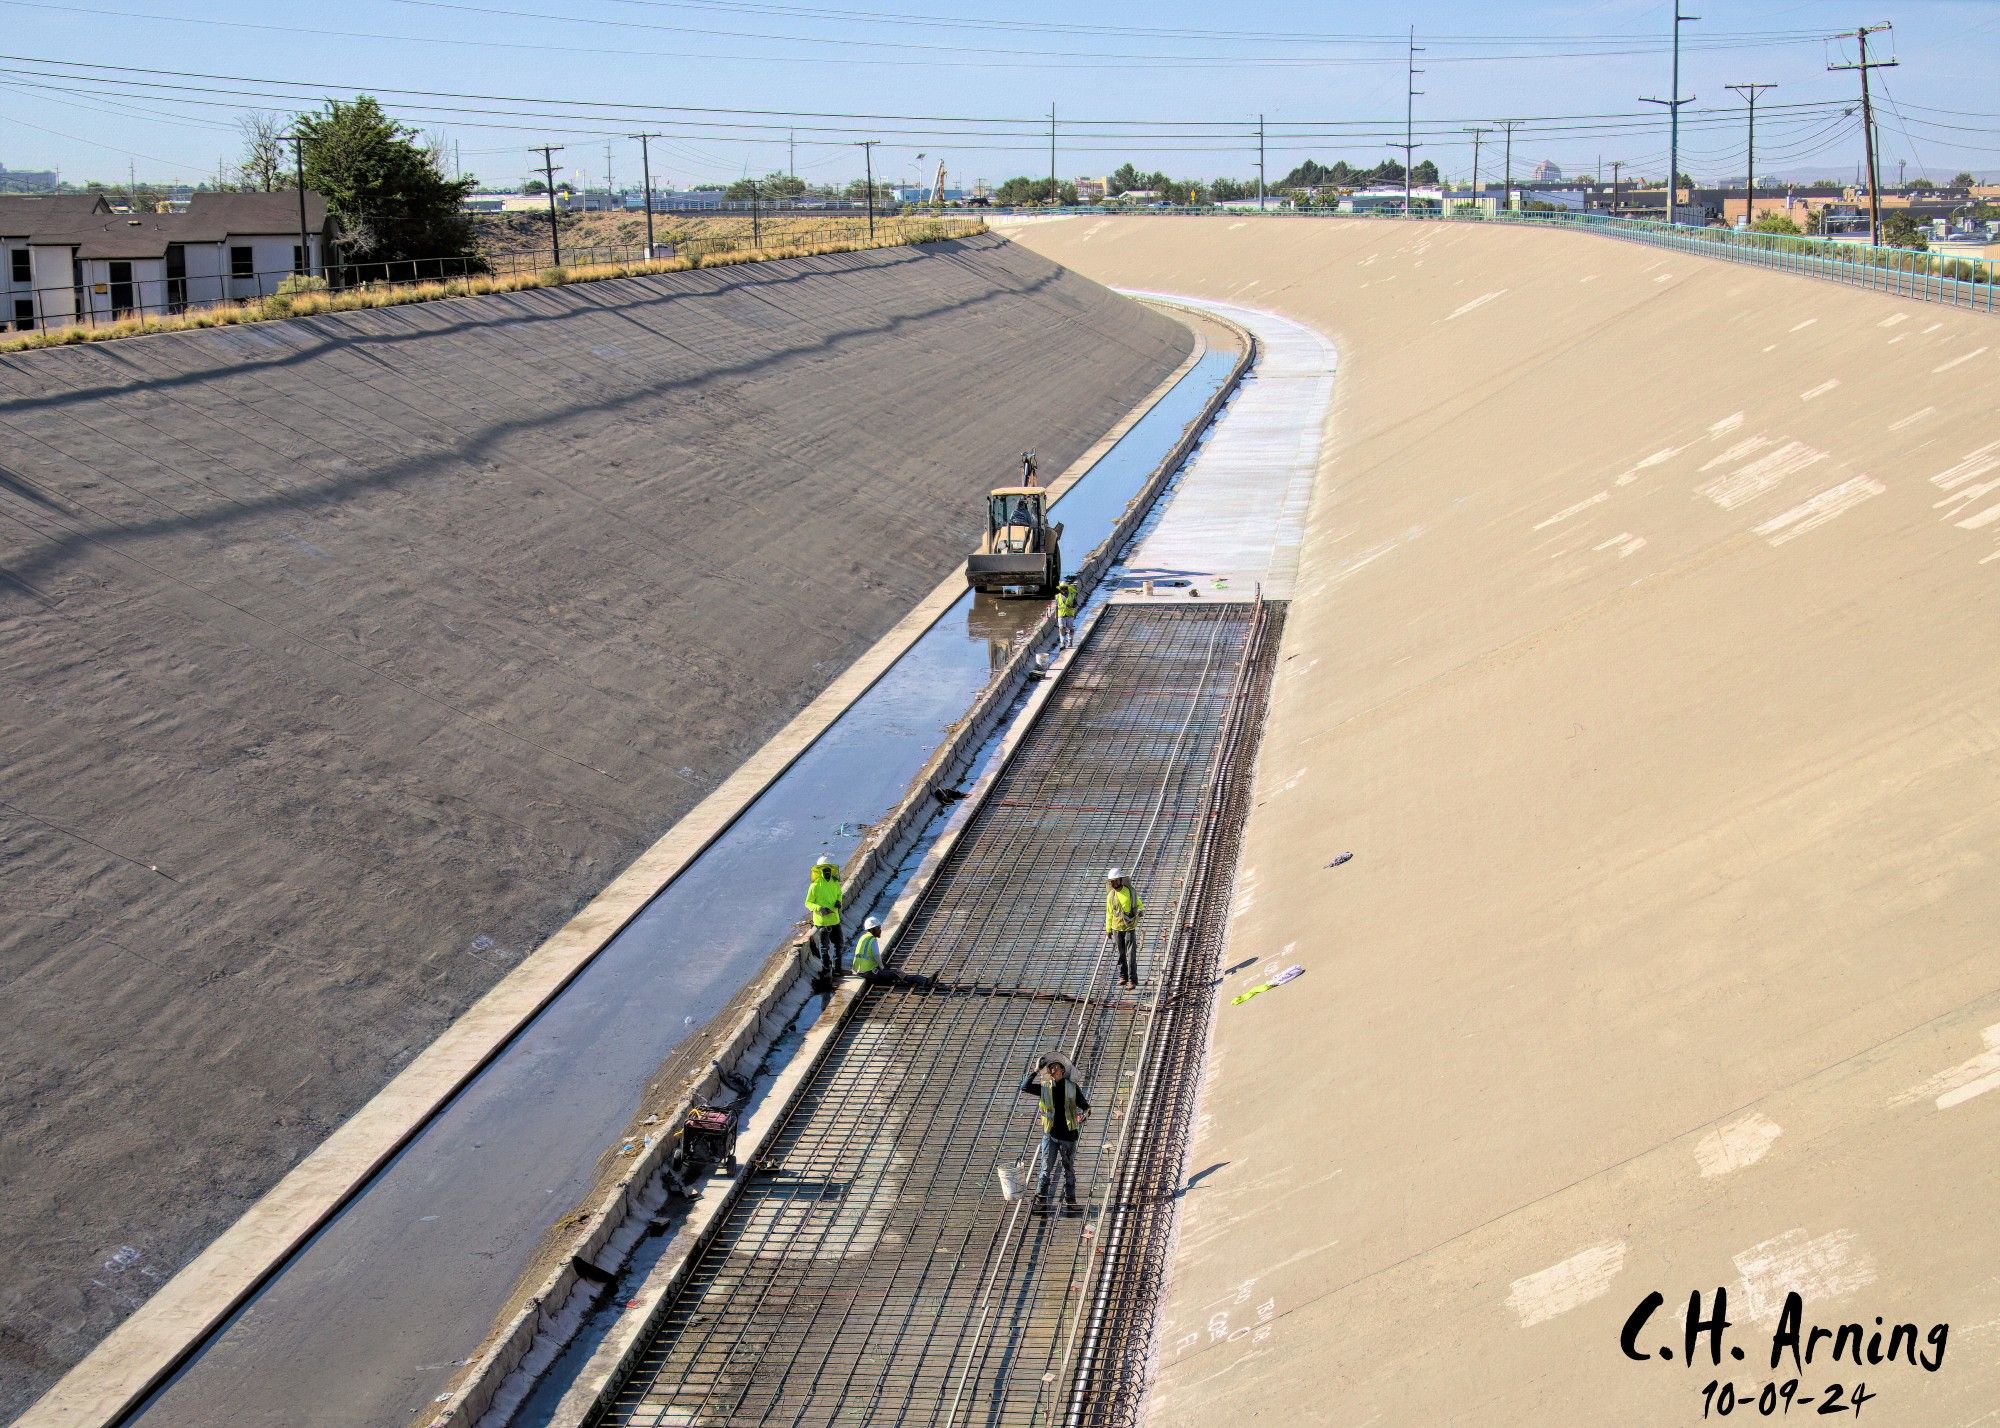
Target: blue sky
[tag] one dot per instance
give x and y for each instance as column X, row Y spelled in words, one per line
column 1188, row 80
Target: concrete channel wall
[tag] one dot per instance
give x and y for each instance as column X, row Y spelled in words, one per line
column 603, row 1235
column 354, row 654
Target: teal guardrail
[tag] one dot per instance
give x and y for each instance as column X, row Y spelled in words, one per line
column 1929, row 277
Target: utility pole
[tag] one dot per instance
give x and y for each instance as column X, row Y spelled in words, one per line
column 867, row 147
column 756, row 223
column 1477, row 134
column 1260, row 163
column 1750, row 93
column 1861, row 35
column 791, row 154
column 298, row 143
column 607, row 175
column 646, row 177
column 1055, row 192
column 1674, row 112
column 1616, row 164
column 1409, row 144
column 1507, row 193
column 548, row 153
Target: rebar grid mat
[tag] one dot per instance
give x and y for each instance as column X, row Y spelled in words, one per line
column 1110, row 1393
column 870, row 1270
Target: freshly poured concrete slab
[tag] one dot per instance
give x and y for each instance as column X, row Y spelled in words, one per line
column 1238, row 511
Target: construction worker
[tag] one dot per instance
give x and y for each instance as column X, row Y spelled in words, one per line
column 1122, row 906
column 1027, row 468
column 1064, row 1110
column 1067, row 604
column 823, row 904
column 868, row 950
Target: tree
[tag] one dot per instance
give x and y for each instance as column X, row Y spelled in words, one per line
column 263, row 164
column 1224, row 189
column 1919, row 184
column 1122, row 178
column 1774, row 223
column 534, row 185
column 1963, row 179
column 1023, row 190
column 388, row 196
column 857, row 190
column 1899, row 230
column 774, row 185
column 1424, row 173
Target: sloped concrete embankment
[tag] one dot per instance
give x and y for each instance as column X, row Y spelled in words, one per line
column 1646, row 656
column 353, row 654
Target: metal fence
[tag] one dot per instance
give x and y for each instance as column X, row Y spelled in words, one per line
column 1947, row 278
column 157, row 294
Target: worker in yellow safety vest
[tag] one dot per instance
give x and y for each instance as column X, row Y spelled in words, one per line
column 823, row 905
column 1122, row 906
column 1067, row 604
column 868, row 949
column 1064, row 1110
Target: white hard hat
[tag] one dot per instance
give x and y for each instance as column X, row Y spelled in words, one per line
column 1114, row 875
column 824, row 863
column 873, row 924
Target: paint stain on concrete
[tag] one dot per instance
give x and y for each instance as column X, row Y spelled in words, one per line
column 1821, row 390
column 1567, row 511
column 1750, row 481
column 1959, row 361
column 1818, row 1268
column 1816, row 511
column 1913, row 418
column 1631, row 473
column 1974, row 1076
column 1574, row 1282
column 1477, row 302
column 1727, row 424
column 1740, row 1143
column 1742, row 450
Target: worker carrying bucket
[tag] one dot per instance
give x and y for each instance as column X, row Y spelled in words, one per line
column 1122, row 906
column 823, row 905
column 1064, row 1110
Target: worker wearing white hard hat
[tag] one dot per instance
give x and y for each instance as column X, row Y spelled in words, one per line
column 1122, row 907
column 868, row 949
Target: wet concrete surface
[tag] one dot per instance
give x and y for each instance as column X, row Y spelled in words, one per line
column 366, row 1323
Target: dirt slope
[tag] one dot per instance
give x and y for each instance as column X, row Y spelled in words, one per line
column 1647, row 658
column 344, row 658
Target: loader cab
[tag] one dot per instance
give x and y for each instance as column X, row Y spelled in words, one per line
column 1016, row 520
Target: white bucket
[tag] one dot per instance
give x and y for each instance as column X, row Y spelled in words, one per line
column 1010, row 1180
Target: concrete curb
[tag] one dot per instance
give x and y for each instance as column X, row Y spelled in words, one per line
column 137, row 1356
column 538, row 1332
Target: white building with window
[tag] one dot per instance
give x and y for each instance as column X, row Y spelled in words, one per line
column 84, row 263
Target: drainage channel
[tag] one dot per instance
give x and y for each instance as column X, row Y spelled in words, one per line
column 869, row 1270
column 369, row 1319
